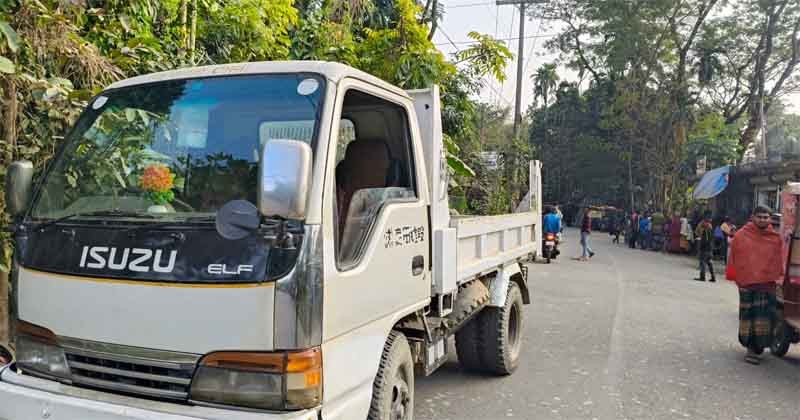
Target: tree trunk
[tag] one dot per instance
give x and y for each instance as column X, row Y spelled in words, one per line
column 4, row 309
column 434, row 20
column 184, row 22
column 759, row 100
column 753, row 125
column 630, row 174
column 10, row 115
column 193, row 35
column 10, row 111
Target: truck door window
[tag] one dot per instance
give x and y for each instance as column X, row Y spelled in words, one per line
column 374, row 169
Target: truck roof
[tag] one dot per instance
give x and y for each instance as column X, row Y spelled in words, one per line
column 332, row 71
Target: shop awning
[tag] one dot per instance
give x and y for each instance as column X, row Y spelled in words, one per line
column 712, row 183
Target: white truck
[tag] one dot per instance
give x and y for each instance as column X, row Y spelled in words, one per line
column 254, row 241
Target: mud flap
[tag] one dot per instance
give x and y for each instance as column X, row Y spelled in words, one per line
column 498, row 289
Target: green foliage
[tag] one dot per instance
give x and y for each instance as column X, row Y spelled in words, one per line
column 487, row 55
column 544, row 82
column 456, row 164
column 713, row 139
column 247, row 30
column 160, row 197
column 55, row 55
column 403, row 55
column 7, row 66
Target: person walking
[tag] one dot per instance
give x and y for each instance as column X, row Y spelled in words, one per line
column 644, row 231
column 705, row 244
column 634, row 229
column 687, row 235
column 674, row 234
column 616, row 227
column 586, row 232
column 728, row 230
column 757, row 266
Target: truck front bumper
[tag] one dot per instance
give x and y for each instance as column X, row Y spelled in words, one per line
column 27, row 398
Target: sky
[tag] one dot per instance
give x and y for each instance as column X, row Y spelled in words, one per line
column 502, row 22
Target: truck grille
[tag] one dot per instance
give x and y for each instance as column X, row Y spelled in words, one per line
column 131, row 370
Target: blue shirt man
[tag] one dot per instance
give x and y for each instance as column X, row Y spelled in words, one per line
column 644, row 225
column 552, row 223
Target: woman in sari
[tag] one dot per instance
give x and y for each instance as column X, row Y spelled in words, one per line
column 674, row 244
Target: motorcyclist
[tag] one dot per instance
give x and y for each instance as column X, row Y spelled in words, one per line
column 552, row 226
column 552, row 223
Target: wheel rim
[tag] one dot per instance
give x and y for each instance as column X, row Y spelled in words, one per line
column 401, row 398
column 514, row 326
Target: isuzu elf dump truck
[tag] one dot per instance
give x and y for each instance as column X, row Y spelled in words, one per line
column 254, row 241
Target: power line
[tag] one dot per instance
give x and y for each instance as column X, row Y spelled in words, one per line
column 459, row 6
column 530, row 51
column 498, row 93
column 510, row 32
column 521, row 4
column 496, row 30
column 503, row 39
column 450, row 40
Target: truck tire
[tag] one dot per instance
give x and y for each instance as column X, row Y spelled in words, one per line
column 781, row 338
column 501, row 330
column 468, row 346
column 393, row 389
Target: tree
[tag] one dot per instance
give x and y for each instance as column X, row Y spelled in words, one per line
column 646, row 52
column 758, row 62
column 544, row 83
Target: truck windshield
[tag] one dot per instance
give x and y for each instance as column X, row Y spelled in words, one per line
column 177, row 149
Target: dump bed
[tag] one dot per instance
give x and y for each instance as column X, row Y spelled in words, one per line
column 488, row 242
column 465, row 247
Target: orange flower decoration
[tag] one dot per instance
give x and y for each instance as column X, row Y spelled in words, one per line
column 157, row 178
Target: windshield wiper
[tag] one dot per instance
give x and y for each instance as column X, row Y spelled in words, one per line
column 194, row 219
column 99, row 213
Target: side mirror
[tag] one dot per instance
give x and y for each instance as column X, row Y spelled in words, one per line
column 6, row 356
column 284, row 175
column 19, row 179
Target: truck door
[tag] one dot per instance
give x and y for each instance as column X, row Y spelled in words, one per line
column 375, row 221
column 380, row 219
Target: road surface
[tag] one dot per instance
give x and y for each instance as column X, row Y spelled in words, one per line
column 627, row 335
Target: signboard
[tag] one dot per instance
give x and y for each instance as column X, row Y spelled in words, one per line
column 701, row 165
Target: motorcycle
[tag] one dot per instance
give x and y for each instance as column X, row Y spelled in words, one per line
column 550, row 247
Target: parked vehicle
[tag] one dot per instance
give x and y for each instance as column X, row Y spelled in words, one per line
column 255, row 241
column 787, row 325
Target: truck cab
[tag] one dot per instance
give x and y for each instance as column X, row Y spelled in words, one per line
column 258, row 240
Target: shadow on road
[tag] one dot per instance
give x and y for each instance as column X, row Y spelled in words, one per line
column 452, row 374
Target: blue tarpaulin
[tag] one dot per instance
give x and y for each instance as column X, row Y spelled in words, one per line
column 712, row 183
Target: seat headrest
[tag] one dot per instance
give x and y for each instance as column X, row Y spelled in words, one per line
column 366, row 163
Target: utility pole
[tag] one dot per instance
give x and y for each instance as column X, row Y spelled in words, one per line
column 520, row 53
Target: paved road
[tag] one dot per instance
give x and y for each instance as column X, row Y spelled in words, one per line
column 628, row 335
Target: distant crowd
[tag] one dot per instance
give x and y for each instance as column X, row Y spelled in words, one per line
column 652, row 230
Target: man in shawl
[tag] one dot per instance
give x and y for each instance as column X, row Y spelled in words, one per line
column 757, row 265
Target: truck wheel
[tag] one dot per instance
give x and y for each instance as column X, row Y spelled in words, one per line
column 468, row 346
column 393, row 389
column 502, row 334
column 781, row 339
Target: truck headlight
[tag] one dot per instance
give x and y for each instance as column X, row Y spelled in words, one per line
column 272, row 381
column 39, row 352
